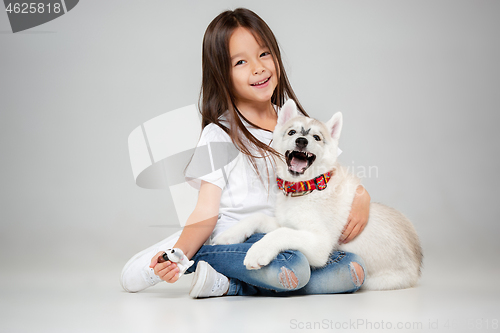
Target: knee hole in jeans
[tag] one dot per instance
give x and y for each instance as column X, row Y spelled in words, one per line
column 287, row 278
column 357, row 273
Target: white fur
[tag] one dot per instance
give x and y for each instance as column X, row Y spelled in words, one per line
column 313, row 223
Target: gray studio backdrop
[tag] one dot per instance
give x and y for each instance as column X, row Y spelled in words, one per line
column 418, row 83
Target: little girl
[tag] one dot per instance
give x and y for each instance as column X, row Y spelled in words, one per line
column 243, row 87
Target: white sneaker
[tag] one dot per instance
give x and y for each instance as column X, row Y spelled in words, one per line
column 207, row 282
column 137, row 275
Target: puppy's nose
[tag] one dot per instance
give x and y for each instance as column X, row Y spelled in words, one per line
column 301, row 142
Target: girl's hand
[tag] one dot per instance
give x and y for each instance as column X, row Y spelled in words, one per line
column 167, row 271
column 358, row 217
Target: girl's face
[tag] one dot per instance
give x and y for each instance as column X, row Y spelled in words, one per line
column 252, row 68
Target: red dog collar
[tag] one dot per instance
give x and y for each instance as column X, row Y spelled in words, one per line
column 296, row 189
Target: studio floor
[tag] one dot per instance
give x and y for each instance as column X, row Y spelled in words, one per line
column 71, row 299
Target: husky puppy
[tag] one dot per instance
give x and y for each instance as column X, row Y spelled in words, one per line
column 314, row 206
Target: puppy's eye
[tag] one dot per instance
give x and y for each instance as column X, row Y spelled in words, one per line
column 292, row 132
column 317, row 138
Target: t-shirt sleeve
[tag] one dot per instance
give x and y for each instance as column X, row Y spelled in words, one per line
column 213, row 159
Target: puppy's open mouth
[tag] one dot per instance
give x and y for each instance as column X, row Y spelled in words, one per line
column 298, row 161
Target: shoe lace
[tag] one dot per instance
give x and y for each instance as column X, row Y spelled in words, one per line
column 217, row 285
column 150, row 276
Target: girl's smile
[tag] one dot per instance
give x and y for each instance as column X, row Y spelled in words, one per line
column 261, row 84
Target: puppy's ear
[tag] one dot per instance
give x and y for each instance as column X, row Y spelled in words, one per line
column 334, row 125
column 287, row 112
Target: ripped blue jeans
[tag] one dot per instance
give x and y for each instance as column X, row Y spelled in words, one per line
column 275, row 279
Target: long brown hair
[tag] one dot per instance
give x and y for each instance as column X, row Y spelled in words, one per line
column 217, row 92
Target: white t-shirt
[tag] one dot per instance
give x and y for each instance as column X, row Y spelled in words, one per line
column 217, row 161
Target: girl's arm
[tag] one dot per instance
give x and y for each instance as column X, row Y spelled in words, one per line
column 198, row 228
column 202, row 221
column 360, row 211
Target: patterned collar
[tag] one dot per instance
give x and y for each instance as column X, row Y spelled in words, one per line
column 296, row 189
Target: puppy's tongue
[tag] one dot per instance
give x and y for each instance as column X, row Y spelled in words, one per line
column 298, row 165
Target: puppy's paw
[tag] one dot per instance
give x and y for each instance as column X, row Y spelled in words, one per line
column 231, row 236
column 258, row 256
